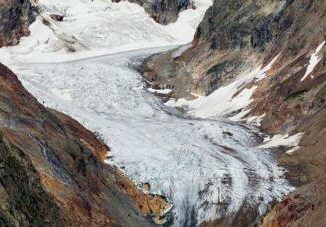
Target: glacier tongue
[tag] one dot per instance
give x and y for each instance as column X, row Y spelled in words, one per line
column 207, row 168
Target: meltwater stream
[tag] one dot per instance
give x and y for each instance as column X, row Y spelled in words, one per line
column 207, row 169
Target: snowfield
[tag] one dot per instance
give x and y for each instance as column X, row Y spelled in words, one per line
column 207, row 168
column 99, row 27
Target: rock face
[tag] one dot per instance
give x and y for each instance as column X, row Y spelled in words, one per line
column 163, row 11
column 236, row 37
column 306, row 206
column 52, row 170
column 15, row 17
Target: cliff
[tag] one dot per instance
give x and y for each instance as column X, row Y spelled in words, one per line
column 52, row 170
column 15, row 18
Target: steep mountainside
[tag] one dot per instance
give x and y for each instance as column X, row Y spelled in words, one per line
column 163, row 11
column 15, row 17
column 239, row 35
column 52, row 170
column 272, row 54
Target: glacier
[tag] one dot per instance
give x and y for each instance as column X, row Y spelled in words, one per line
column 83, row 66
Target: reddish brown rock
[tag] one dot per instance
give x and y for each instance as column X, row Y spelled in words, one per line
column 63, row 161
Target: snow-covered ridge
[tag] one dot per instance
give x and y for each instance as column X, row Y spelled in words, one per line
column 94, row 28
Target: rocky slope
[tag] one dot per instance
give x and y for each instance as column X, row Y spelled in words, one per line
column 15, row 17
column 235, row 38
column 163, row 11
column 52, row 170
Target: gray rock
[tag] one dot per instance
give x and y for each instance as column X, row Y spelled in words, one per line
column 163, row 11
column 15, row 17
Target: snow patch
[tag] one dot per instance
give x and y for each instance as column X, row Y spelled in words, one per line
column 240, row 116
column 256, row 120
column 283, row 140
column 227, row 99
column 313, row 61
column 163, row 91
column 262, row 75
column 219, row 103
column 253, row 120
column 188, row 21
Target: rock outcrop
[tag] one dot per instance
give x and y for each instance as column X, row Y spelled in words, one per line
column 15, row 18
column 163, row 11
column 235, row 38
column 239, row 35
column 306, row 206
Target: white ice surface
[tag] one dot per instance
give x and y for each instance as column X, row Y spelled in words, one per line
column 207, row 168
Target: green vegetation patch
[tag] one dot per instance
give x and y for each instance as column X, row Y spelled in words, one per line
column 295, row 95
